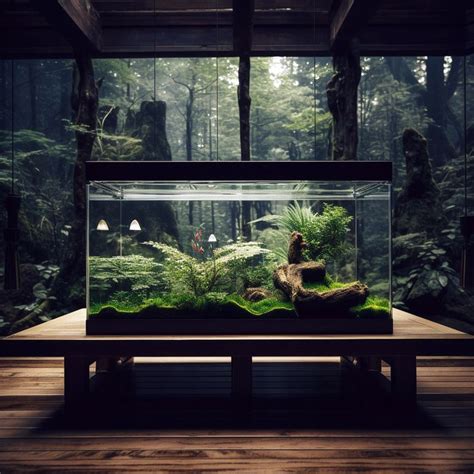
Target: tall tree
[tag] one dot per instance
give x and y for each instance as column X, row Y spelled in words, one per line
column 342, row 101
column 84, row 100
column 434, row 94
column 32, row 83
column 243, row 93
column 3, row 95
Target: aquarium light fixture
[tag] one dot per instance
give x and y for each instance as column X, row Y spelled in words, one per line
column 135, row 225
column 102, row 225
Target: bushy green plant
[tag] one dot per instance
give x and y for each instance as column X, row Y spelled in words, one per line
column 129, row 273
column 260, row 275
column 325, row 233
column 200, row 275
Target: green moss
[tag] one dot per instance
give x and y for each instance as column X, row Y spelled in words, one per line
column 221, row 305
column 212, row 305
column 327, row 284
column 374, row 307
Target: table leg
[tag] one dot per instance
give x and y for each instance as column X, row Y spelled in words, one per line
column 76, row 380
column 361, row 378
column 403, row 379
column 242, row 378
column 111, row 364
column 364, row 363
column 373, row 363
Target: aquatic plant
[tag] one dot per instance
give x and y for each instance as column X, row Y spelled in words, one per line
column 199, row 275
column 325, row 233
column 131, row 272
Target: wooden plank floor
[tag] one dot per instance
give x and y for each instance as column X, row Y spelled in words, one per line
column 177, row 417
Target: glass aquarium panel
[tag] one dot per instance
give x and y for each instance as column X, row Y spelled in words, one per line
column 240, row 250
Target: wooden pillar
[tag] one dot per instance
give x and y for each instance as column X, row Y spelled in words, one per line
column 110, row 364
column 403, row 378
column 372, row 363
column 242, row 378
column 76, row 380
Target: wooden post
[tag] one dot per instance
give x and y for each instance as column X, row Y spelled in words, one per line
column 242, row 378
column 403, row 377
column 111, row 364
column 76, row 380
column 372, row 363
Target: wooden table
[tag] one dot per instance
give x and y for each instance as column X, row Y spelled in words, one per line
column 413, row 336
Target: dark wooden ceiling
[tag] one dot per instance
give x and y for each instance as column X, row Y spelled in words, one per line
column 209, row 27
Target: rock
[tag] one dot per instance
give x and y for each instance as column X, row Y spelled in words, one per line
column 256, row 294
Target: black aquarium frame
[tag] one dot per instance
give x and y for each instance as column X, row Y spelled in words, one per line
column 238, row 171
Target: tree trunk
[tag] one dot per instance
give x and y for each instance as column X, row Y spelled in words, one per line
column 150, row 124
column 234, row 219
column 108, row 117
column 435, row 97
column 189, row 125
column 69, row 283
column 3, row 96
column 129, row 93
column 33, row 96
column 342, row 102
column 243, row 93
column 64, row 103
column 189, row 143
column 420, row 195
column 439, row 146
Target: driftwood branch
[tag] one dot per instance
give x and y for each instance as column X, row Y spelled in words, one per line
column 311, row 303
column 290, row 279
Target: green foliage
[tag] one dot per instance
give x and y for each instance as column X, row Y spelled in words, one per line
column 374, row 307
column 132, row 273
column 210, row 305
column 187, row 274
column 259, row 275
column 325, row 233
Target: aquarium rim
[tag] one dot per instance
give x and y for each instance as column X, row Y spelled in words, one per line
column 239, row 171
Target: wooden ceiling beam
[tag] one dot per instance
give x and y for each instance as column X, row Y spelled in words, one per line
column 243, row 16
column 77, row 20
column 347, row 18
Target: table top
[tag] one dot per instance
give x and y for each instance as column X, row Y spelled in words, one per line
column 65, row 336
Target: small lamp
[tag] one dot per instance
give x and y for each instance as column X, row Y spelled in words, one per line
column 212, row 239
column 102, row 225
column 135, row 225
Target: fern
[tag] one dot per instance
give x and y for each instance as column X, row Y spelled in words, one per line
column 187, row 274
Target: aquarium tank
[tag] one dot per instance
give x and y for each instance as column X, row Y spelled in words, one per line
column 239, row 247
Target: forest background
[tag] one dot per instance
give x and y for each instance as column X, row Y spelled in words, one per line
column 289, row 120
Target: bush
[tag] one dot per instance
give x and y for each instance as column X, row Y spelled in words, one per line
column 325, row 233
